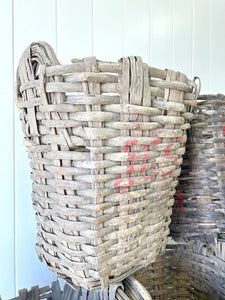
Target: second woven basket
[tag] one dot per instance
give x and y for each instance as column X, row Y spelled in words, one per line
column 199, row 210
column 106, row 141
column 191, row 271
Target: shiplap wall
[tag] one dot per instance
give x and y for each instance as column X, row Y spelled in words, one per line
column 186, row 35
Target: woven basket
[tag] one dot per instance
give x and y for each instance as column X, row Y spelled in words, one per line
column 192, row 271
column 35, row 293
column 129, row 289
column 199, row 210
column 106, row 143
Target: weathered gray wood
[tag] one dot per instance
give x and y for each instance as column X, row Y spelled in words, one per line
column 186, row 271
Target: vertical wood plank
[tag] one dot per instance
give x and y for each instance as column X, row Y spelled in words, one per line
column 217, row 46
column 6, row 158
column 74, row 29
column 136, row 28
column 33, row 21
column 108, row 29
column 182, row 35
column 201, row 43
column 161, row 33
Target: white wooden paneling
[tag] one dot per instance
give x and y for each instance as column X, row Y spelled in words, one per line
column 161, row 33
column 33, row 21
column 182, row 36
column 108, row 29
column 74, row 29
column 6, row 154
column 201, row 43
column 217, row 46
column 136, row 28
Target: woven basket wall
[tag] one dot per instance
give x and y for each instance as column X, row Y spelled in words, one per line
column 128, row 289
column 199, row 210
column 106, row 141
column 192, row 271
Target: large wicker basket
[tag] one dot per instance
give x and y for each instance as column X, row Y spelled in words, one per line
column 192, row 271
column 199, row 210
column 106, row 143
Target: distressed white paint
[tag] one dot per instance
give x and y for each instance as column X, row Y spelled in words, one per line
column 186, row 35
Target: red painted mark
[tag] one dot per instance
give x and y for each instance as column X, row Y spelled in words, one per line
column 129, row 143
column 124, row 187
column 146, row 154
column 167, row 149
column 155, row 141
column 117, row 176
column 180, row 138
column 57, row 171
column 130, row 169
column 58, row 183
column 157, row 132
column 172, row 157
column 142, row 168
column 167, row 174
column 121, row 200
column 131, row 156
column 137, row 126
column 118, row 182
column 131, row 181
column 39, row 175
column 147, row 177
column 72, row 213
column 223, row 129
column 179, row 199
column 57, row 156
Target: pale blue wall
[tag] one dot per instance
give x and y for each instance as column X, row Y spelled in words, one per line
column 184, row 35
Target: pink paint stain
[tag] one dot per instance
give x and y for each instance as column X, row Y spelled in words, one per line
column 131, row 181
column 179, row 199
column 157, row 132
column 147, row 177
column 57, row 171
column 223, row 129
column 124, row 187
column 118, row 182
column 172, row 157
column 146, row 153
column 137, row 126
column 72, row 213
column 167, row 149
column 155, row 141
column 142, row 168
column 131, row 156
column 130, row 169
column 180, row 138
column 168, row 174
column 129, row 143
column 117, row 176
